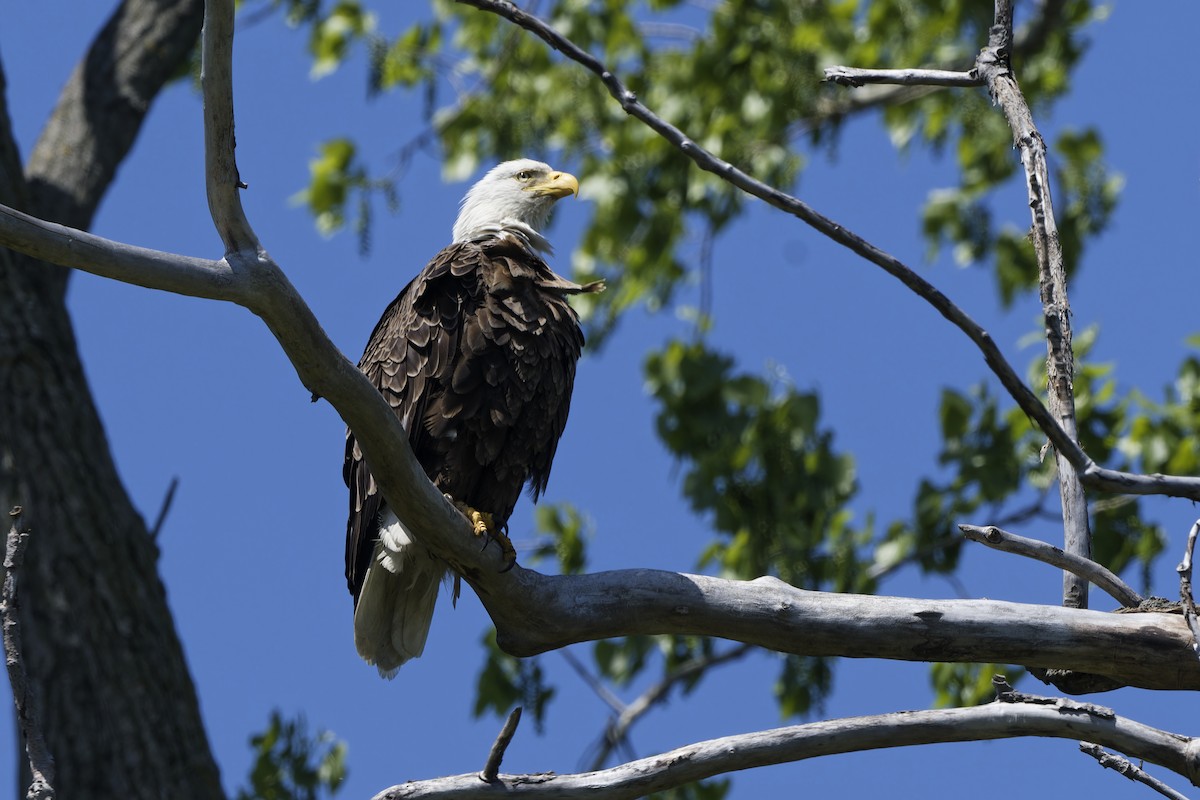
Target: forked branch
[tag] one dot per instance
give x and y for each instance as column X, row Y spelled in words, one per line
column 1091, row 474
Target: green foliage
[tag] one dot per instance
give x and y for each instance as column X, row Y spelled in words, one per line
column 963, row 685
column 334, row 32
column 405, row 62
column 1085, row 197
column 506, row 681
column 802, row 685
column 336, row 176
column 713, row 789
column 291, row 764
column 568, row 531
column 756, row 464
column 621, row 660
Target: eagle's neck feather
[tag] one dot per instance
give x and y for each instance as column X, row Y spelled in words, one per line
column 525, row 233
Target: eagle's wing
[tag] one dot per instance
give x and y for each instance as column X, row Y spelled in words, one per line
column 477, row 358
column 408, row 359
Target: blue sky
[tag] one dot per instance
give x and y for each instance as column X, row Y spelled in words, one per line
column 252, row 549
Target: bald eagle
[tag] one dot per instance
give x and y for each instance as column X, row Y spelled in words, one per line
column 477, row 358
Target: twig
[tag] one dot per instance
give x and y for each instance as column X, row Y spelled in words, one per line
column 1049, row 554
column 782, row 745
column 617, row 731
column 491, row 769
column 164, row 509
column 1091, row 474
column 855, row 76
column 594, row 683
column 1185, row 587
column 41, row 763
column 1125, row 767
column 1005, row 693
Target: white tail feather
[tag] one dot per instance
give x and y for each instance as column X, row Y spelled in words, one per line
column 395, row 606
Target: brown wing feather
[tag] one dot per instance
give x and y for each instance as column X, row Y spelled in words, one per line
column 477, row 357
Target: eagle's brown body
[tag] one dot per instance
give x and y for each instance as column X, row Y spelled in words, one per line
column 477, row 358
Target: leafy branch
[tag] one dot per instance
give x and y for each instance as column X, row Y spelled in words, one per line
column 1091, row 474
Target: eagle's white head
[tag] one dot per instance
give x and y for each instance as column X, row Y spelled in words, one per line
column 516, row 197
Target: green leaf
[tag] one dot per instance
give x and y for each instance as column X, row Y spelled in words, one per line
column 291, row 764
column 332, row 36
column 506, row 681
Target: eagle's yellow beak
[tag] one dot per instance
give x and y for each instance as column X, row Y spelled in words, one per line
column 557, row 184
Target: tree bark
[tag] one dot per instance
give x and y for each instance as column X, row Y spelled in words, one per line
column 100, row 644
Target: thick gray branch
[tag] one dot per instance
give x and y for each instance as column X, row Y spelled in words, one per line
column 717, row 756
column 543, row 612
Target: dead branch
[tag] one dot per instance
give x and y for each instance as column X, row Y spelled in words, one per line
column 1127, row 768
column 781, row 745
column 1049, row 554
column 1185, row 587
column 41, row 763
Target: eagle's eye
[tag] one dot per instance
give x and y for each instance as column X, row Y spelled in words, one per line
column 524, row 175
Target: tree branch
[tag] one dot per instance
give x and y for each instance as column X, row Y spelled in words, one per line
column 616, row 732
column 491, row 769
column 101, row 109
column 1091, row 474
column 855, row 77
column 41, row 763
column 1185, row 587
column 782, row 745
column 994, row 67
column 1049, row 554
column 1125, row 767
column 221, row 177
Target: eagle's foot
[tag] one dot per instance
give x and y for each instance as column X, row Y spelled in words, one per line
column 484, row 526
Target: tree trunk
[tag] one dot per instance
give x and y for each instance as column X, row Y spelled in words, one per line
column 118, row 707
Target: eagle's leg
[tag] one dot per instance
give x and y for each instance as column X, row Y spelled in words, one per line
column 485, row 526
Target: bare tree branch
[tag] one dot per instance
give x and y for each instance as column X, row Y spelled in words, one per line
column 1185, row 587
column 855, row 77
column 221, row 176
column 1091, row 474
column 716, row 756
column 100, row 110
column 994, row 67
column 41, row 763
column 164, row 509
column 616, row 733
column 1049, row 554
column 595, row 684
column 491, row 769
column 1125, row 767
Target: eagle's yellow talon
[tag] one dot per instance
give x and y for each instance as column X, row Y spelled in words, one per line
column 484, row 526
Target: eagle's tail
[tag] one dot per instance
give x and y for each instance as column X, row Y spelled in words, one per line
column 395, row 606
